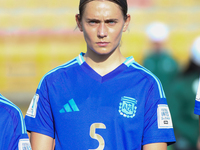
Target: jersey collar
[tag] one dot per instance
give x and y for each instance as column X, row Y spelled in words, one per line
column 127, row 62
column 93, row 74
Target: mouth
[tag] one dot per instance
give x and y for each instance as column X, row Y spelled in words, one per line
column 102, row 44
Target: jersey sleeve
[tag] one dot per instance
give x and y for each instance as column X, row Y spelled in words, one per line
column 20, row 142
column 197, row 101
column 13, row 131
column 157, row 120
column 39, row 115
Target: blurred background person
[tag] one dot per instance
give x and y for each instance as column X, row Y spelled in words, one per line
column 197, row 100
column 181, row 102
column 158, row 60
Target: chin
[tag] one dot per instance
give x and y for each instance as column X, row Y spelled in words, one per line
column 104, row 52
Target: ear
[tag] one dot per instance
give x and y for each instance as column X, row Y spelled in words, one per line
column 78, row 21
column 128, row 19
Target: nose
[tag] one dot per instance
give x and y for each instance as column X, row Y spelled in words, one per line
column 102, row 30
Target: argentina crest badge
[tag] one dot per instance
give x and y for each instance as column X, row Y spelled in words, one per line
column 128, row 107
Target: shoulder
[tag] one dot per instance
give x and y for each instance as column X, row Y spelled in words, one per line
column 142, row 71
column 169, row 56
column 8, row 106
column 149, row 79
column 9, row 110
column 149, row 56
column 60, row 71
column 64, row 67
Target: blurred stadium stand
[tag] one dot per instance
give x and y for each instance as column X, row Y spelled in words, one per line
column 36, row 36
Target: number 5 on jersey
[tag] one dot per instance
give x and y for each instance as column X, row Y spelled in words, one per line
column 98, row 137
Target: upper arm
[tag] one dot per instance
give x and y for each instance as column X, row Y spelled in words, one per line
column 155, row 146
column 41, row 141
column 39, row 117
column 158, row 126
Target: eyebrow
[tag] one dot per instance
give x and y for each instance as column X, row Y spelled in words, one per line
column 97, row 20
column 114, row 20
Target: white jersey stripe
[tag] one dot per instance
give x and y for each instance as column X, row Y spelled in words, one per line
column 129, row 61
column 80, row 59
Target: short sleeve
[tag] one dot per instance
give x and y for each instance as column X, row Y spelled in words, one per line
column 39, row 115
column 13, row 131
column 157, row 120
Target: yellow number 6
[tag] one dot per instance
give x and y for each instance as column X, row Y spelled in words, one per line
column 98, row 137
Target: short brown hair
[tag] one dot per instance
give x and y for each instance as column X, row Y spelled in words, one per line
column 122, row 4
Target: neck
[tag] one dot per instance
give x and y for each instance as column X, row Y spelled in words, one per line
column 104, row 63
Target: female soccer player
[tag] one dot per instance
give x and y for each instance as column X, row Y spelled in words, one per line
column 13, row 134
column 100, row 100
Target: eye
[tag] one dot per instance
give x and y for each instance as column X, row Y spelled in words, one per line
column 93, row 22
column 111, row 22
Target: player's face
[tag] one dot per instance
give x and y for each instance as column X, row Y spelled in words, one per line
column 102, row 24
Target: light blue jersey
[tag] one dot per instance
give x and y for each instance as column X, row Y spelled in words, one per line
column 13, row 134
column 122, row 110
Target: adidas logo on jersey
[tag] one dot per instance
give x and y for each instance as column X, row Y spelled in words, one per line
column 69, row 107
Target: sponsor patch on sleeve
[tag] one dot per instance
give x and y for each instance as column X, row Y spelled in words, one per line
column 24, row 144
column 33, row 107
column 164, row 117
